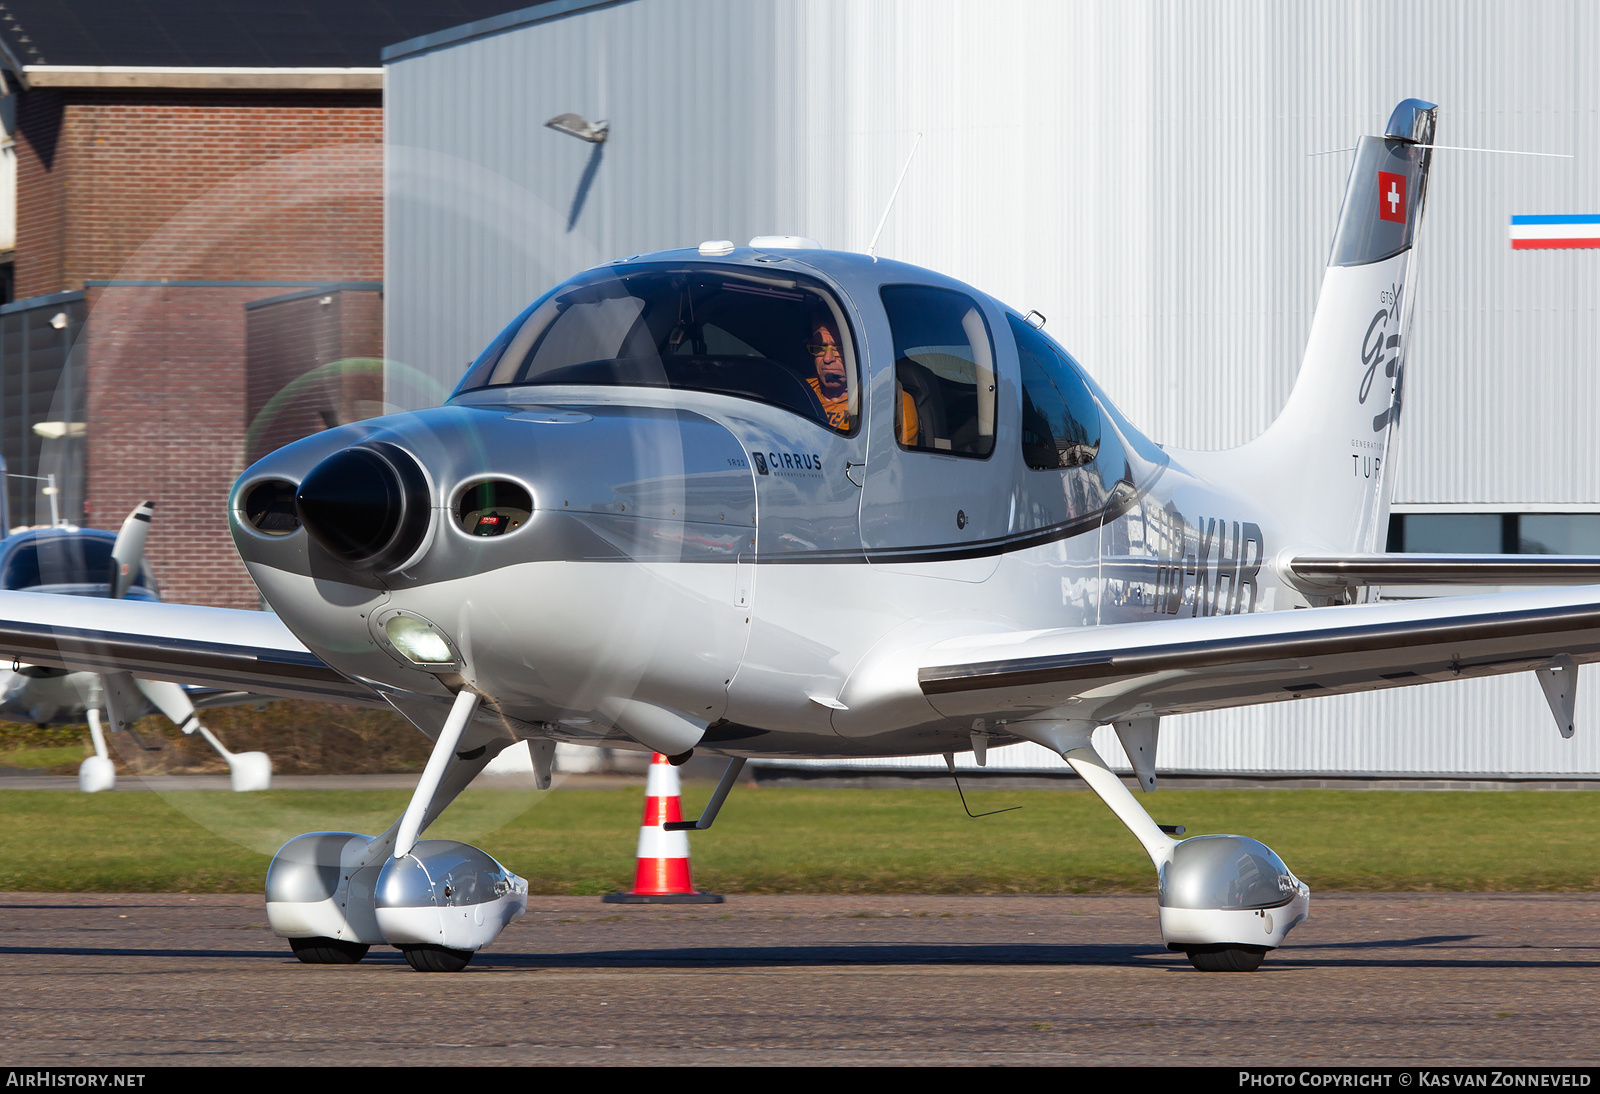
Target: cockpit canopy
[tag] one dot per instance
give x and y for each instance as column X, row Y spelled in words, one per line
column 76, row 562
column 780, row 339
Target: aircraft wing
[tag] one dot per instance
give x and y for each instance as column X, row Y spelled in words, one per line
column 222, row 648
column 1322, row 572
column 1180, row 665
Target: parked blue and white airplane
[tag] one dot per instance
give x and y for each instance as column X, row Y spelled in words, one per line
column 62, row 559
column 776, row 500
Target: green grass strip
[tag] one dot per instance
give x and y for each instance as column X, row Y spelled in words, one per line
column 803, row 840
column 43, row 758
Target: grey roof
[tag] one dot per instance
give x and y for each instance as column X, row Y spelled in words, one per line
column 226, row 33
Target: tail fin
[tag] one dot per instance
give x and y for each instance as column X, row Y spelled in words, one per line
column 1325, row 464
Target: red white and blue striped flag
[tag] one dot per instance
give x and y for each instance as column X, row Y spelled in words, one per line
column 1559, row 230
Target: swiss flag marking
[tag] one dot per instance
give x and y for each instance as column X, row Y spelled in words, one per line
column 1391, row 197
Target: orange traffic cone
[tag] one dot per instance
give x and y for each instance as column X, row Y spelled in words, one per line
column 662, row 873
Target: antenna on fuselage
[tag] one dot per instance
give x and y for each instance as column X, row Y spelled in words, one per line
column 873, row 246
column 1463, row 148
column 950, row 762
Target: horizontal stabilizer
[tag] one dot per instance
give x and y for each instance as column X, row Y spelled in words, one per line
column 1320, row 572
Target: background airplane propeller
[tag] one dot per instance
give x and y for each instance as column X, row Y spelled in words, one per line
column 127, row 554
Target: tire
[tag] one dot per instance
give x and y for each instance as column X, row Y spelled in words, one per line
column 328, row 951
column 1226, row 958
column 427, row 958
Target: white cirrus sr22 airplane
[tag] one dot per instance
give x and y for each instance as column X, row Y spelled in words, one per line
column 776, row 500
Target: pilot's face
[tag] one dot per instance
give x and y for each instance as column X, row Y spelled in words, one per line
column 826, row 355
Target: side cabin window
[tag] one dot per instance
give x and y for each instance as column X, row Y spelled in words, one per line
column 1067, row 430
column 1060, row 421
column 779, row 340
column 944, row 378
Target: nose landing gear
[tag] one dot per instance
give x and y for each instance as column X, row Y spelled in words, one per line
column 335, row 894
column 328, row 951
column 426, row 958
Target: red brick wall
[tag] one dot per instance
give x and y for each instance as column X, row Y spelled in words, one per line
column 214, row 187
column 131, row 184
column 166, row 422
column 310, row 363
column 41, row 195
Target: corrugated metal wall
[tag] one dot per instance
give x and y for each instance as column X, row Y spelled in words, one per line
column 1137, row 172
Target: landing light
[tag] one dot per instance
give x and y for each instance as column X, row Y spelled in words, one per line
column 418, row 641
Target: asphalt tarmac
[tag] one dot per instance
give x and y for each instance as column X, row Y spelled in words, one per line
column 128, row 981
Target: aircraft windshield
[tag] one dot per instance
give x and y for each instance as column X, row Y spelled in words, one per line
column 777, row 340
column 70, row 562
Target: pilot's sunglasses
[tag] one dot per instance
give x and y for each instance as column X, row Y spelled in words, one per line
column 822, row 351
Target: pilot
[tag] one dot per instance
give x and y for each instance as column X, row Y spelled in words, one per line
column 831, row 384
column 905, row 419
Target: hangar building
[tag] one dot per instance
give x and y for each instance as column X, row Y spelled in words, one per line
column 1161, row 180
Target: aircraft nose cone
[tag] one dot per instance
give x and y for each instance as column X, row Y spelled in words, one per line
column 367, row 506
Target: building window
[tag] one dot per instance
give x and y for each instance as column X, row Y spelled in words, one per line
column 1495, row 533
column 43, row 426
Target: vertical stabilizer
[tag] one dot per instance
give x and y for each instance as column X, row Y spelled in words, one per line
column 1325, row 463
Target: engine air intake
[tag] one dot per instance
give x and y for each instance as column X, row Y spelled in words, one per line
column 493, row 508
column 269, row 508
column 367, row 506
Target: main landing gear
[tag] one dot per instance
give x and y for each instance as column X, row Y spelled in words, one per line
column 335, row 894
column 1224, row 901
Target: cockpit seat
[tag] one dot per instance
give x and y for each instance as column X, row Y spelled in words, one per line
column 926, row 398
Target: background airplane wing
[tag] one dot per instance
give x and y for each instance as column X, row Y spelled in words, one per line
column 226, row 649
column 1181, row 665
